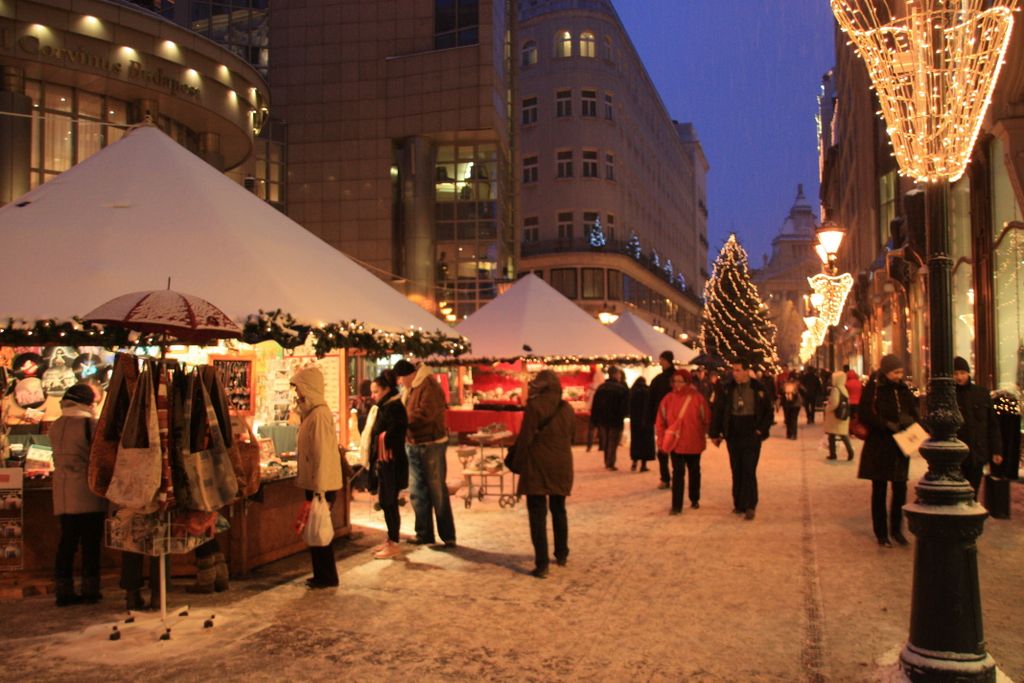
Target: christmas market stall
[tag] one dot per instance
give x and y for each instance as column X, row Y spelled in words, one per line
column 146, row 214
column 642, row 335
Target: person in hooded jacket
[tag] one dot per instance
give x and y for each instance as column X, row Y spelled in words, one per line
column 389, row 468
column 887, row 406
column 641, row 426
column 80, row 511
column 546, row 480
column 681, row 426
column 838, row 429
column 980, row 430
column 319, row 462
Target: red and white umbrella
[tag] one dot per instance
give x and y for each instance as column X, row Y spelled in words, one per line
column 183, row 317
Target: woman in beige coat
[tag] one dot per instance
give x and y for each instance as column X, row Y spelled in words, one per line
column 319, row 462
column 837, row 424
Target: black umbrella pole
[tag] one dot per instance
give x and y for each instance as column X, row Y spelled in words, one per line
column 947, row 641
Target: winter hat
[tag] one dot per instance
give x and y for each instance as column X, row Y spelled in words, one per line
column 80, row 393
column 404, row 368
column 685, row 374
column 890, row 362
column 668, row 355
column 960, row 363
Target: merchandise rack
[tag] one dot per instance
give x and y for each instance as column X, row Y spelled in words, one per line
column 483, row 480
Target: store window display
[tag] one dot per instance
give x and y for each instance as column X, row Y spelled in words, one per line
column 1008, row 271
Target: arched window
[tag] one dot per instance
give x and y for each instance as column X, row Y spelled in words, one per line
column 529, row 53
column 606, row 49
column 588, row 45
column 563, row 44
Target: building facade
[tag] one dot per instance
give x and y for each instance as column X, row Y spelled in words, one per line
column 398, row 138
column 782, row 281
column 612, row 198
column 75, row 76
column 887, row 248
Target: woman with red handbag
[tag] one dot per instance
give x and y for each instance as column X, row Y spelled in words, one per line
column 389, row 466
column 681, row 427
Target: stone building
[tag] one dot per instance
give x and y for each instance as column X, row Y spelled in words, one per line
column 782, row 281
column 612, row 191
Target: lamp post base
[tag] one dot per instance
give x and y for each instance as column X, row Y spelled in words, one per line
column 922, row 666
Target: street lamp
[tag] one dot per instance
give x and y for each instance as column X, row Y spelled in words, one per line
column 934, row 66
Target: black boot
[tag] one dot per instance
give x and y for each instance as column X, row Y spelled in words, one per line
column 206, row 575
column 91, row 590
column 66, row 593
column 221, row 565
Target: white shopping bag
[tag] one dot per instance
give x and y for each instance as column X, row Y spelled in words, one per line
column 319, row 530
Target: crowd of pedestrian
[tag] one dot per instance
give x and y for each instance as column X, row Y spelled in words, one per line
column 403, row 443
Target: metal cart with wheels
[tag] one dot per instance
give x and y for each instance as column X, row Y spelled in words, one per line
column 485, row 472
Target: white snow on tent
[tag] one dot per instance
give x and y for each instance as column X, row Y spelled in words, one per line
column 146, row 209
column 643, row 336
column 534, row 320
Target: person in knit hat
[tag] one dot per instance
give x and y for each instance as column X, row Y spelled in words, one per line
column 887, row 406
column 980, row 430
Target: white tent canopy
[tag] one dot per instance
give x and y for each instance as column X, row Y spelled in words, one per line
column 533, row 320
column 145, row 209
column 643, row 336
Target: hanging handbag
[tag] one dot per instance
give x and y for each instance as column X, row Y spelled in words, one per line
column 319, row 529
column 208, row 481
column 241, row 457
column 859, row 429
column 103, row 452
column 515, row 457
column 136, row 478
column 670, row 439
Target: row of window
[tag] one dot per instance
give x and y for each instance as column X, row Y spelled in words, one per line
column 613, row 285
column 564, row 106
column 564, row 44
column 565, row 226
column 565, row 165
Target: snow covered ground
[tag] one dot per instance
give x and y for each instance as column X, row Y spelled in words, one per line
column 800, row 593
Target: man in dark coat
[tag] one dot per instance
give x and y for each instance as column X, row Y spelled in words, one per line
column 660, row 387
column 546, row 442
column 887, row 406
column 608, row 413
column 810, row 389
column 980, row 430
column 742, row 416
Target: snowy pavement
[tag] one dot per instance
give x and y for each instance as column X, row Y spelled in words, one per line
column 800, row 593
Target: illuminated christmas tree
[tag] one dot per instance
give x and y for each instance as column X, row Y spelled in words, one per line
column 735, row 324
column 595, row 235
column 633, row 246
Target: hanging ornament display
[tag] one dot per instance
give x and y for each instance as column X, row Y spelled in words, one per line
column 934, row 65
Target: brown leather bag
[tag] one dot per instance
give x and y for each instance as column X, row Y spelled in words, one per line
column 103, row 453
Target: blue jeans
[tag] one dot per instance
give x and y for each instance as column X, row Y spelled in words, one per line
column 428, row 491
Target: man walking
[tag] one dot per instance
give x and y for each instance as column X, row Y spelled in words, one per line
column 980, row 430
column 427, row 437
column 608, row 413
column 810, row 388
column 660, row 387
column 742, row 416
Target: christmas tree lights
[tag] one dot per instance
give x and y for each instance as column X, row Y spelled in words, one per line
column 934, row 69
column 633, row 246
column 595, row 235
column 668, row 269
column 735, row 325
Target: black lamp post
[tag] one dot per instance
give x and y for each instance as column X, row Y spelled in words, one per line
column 934, row 65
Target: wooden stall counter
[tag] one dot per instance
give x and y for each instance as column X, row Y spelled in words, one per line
column 462, row 421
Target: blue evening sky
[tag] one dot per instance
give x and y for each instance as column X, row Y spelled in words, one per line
column 747, row 74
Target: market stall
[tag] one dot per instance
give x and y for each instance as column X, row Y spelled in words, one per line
column 642, row 335
column 146, row 213
column 528, row 328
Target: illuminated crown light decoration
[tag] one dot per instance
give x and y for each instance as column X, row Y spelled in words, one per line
column 934, row 84
column 735, row 326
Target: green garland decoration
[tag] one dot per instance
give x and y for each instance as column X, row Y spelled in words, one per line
column 274, row 325
column 548, row 360
column 285, row 330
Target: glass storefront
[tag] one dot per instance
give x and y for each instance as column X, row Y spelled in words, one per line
column 959, row 213
column 469, row 225
column 70, row 125
column 1008, row 271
